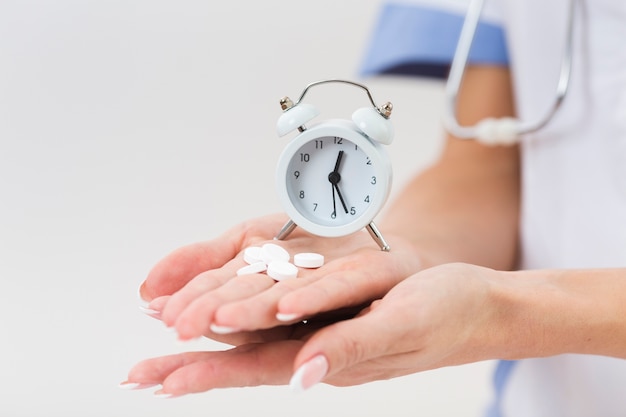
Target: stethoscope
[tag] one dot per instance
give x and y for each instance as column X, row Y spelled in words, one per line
column 505, row 130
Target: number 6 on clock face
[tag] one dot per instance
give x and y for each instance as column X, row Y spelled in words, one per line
column 332, row 180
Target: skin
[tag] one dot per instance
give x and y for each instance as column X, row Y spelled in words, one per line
column 448, row 293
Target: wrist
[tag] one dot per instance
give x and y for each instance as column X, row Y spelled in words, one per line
column 549, row 312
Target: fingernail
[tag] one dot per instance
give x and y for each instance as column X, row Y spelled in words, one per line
column 127, row 385
column 223, row 329
column 139, row 295
column 287, row 317
column 150, row 312
column 309, row 374
column 185, row 342
column 163, row 395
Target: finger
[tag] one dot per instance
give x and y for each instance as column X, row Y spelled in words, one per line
column 348, row 282
column 257, row 336
column 157, row 305
column 179, row 267
column 257, row 311
column 205, row 282
column 192, row 372
column 245, row 366
column 175, row 270
column 154, row 371
column 348, row 344
column 197, row 317
column 251, row 307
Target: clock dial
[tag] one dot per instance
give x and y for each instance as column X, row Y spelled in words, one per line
column 331, row 181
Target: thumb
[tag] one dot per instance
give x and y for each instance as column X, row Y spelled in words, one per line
column 175, row 270
column 341, row 346
column 178, row 268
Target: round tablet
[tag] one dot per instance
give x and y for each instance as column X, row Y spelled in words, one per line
column 255, row 268
column 252, row 255
column 280, row 270
column 271, row 252
column 308, row 260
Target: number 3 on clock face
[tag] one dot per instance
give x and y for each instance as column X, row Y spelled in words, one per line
column 332, row 180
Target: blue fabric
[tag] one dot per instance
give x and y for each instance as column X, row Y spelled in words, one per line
column 416, row 40
column 501, row 376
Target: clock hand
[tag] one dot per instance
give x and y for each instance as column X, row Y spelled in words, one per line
column 343, row 203
column 334, row 177
column 334, row 213
column 339, row 157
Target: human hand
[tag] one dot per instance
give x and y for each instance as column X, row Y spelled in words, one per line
column 250, row 364
column 178, row 268
column 202, row 292
column 441, row 316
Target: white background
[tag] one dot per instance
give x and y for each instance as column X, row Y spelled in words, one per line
column 131, row 127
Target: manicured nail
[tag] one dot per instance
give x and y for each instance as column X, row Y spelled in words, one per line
column 287, row 317
column 150, row 312
column 223, row 329
column 185, row 342
column 309, row 374
column 139, row 296
column 163, row 395
column 127, row 385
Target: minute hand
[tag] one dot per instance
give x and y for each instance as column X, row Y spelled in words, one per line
column 343, row 203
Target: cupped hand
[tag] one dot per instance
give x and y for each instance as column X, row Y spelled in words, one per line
column 439, row 317
column 204, row 296
column 178, row 268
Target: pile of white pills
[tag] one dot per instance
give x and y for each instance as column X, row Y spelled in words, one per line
column 275, row 261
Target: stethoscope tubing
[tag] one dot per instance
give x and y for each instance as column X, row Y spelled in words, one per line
column 459, row 65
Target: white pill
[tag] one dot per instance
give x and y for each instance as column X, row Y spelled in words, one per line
column 255, row 268
column 281, row 270
column 271, row 252
column 308, row 260
column 252, row 255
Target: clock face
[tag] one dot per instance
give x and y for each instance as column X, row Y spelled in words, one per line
column 332, row 180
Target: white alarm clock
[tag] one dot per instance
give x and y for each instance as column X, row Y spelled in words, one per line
column 334, row 177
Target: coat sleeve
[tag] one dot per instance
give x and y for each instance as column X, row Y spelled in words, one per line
column 417, row 40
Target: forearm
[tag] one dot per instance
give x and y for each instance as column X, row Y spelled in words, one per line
column 466, row 207
column 549, row 312
column 458, row 211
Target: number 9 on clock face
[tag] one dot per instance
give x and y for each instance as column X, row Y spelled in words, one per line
column 332, row 180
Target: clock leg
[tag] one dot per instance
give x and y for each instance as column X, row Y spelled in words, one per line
column 284, row 232
column 378, row 237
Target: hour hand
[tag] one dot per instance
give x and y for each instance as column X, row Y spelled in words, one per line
column 339, row 157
